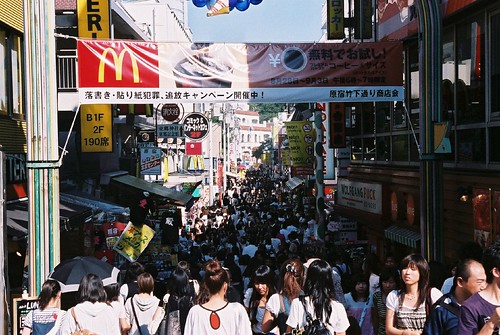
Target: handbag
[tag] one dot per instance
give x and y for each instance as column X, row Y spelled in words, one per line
column 79, row 330
column 154, row 325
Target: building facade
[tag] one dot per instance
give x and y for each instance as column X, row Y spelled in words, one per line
column 384, row 137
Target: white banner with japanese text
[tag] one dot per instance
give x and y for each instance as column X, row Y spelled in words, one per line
column 137, row 72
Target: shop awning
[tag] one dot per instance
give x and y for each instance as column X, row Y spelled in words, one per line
column 179, row 198
column 402, row 235
column 294, row 182
column 17, row 216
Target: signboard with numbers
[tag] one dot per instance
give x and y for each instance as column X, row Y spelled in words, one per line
column 97, row 130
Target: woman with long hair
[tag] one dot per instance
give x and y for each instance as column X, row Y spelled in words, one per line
column 46, row 319
column 91, row 313
column 180, row 298
column 407, row 308
column 319, row 301
column 278, row 306
column 389, row 281
column 142, row 308
column 262, row 287
column 359, row 303
column 216, row 316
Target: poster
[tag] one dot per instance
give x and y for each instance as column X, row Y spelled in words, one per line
column 133, row 241
column 21, row 308
column 481, row 210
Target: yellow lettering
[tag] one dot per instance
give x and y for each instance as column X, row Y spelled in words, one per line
column 118, row 62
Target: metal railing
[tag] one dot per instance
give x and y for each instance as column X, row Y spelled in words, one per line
column 67, row 74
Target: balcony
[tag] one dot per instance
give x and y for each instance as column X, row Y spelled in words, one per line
column 67, row 80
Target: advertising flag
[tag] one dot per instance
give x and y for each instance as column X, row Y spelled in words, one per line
column 134, row 241
column 301, row 137
column 193, row 148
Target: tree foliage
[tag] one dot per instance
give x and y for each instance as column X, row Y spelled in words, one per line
column 267, row 111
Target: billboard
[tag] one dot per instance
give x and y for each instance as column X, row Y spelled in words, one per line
column 148, row 72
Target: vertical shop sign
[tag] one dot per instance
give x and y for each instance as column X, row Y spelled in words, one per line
column 93, row 19
column 337, row 125
column 335, row 17
column 96, row 128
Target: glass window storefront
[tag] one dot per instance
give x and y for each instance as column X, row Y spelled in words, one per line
column 471, row 67
column 495, row 67
column 11, row 94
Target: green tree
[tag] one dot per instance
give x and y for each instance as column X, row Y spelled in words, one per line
column 267, row 111
column 266, row 145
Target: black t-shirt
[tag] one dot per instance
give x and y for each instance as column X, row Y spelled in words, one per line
column 170, row 224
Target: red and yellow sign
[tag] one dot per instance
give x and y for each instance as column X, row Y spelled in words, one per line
column 118, row 64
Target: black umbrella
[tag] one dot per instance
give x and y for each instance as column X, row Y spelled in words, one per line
column 70, row 272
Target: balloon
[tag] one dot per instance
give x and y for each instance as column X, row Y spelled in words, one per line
column 199, row 3
column 211, row 3
column 232, row 4
column 242, row 5
column 255, row 2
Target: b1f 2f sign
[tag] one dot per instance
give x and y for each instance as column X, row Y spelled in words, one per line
column 97, row 130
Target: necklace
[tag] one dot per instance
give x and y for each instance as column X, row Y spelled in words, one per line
column 410, row 297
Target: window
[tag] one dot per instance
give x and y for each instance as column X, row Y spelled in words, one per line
column 494, row 140
column 471, row 145
column 3, row 73
column 11, row 94
column 495, row 66
column 470, row 84
column 382, row 117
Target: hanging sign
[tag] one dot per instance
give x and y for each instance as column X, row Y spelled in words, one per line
column 97, row 128
column 140, row 72
column 196, row 126
column 171, row 112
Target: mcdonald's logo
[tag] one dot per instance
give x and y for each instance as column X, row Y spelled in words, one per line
column 118, row 64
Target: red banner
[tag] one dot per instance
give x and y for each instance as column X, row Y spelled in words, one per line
column 193, row 148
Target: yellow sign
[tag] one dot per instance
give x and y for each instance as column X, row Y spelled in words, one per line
column 93, row 19
column 118, row 62
column 335, row 17
column 301, row 136
column 133, row 241
column 96, row 128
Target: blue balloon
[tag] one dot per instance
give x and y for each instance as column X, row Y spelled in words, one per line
column 211, row 3
column 255, row 2
column 242, row 5
column 200, row 3
column 232, row 4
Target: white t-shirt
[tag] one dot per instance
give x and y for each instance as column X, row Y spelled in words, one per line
column 338, row 321
column 392, row 301
column 233, row 320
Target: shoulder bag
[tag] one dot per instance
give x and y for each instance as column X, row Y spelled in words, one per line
column 79, row 330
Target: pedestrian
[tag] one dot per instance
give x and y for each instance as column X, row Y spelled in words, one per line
column 480, row 314
column 178, row 302
column 46, row 319
column 129, row 288
column 113, row 298
column 407, row 308
column 389, row 280
column 216, row 315
column 91, row 313
column 359, row 303
column 470, row 278
column 262, row 287
column 142, row 308
column 319, row 301
column 278, row 306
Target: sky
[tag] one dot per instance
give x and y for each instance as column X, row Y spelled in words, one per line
column 270, row 21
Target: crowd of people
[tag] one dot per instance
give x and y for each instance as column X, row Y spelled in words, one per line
column 252, row 264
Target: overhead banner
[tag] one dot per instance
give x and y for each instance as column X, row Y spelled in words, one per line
column 138, row 72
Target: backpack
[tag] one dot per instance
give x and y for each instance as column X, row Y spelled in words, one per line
column 176, row 314
column 440, row 302
column 313, row 326
column 345, row 279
